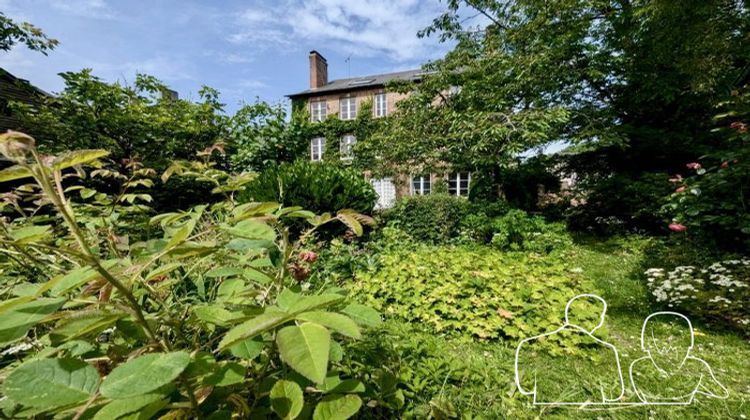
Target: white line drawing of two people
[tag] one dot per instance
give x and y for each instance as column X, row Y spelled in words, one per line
column 667, row 339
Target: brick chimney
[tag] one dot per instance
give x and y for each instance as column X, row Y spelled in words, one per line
column 318, row 70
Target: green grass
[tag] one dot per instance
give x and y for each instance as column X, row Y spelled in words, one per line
column 449, row 375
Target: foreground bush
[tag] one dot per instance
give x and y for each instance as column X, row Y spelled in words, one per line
column 476, row 292
column 317, row 186
column 205, row 319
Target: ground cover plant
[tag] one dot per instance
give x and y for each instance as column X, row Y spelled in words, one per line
column 476, row 291
column 449, row 375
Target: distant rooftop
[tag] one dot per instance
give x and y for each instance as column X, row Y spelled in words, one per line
column 377, row 80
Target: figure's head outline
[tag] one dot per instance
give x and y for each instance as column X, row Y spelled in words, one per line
column 587, row 296
column 661, row 313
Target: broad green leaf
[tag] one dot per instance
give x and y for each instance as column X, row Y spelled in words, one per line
column 337, row 322
column 351, row 222
column 227, row 374
column 305, row 349
column 252, row 229
column 337, row 407
column 287, row 399
column 72, row 280
column 77, row 157
column 223, row 272
column 191, row 250
column 144, row 374
column 216, row 314
column 248, row 349
column 14, row 172
column 120, row 408
column 308, row 303
column 255, row 275
column 334, row 384
column 266, row 321
column 243, row 211
column 163, row 270
column 230, row 288
column 17, row 320
column 30, row 234
column 363, row 315
column 51, row 383
column 82, row 324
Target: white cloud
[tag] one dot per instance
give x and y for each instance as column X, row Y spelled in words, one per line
column 358, row 27
column 94, row 9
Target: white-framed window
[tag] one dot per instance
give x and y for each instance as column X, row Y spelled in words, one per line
column 318, row 110
column 420, row 184
column 381, row 106
column 317, row 147
column 458, row 183
column 346, row 145
column 348, row 108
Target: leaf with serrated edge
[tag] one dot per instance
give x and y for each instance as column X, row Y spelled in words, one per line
column 51, row 383
column 144, row 374
column 305, row 349
column 337, row 322
column 119, row 408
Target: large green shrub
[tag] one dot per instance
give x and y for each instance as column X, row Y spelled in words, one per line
column 434, row 218
column 476, row 292
column 317, row 186
column 203, row 318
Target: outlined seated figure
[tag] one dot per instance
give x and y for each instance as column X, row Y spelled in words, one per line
column 585, row 372
column 667, row 338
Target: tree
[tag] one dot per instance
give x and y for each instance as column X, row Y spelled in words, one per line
column 12, row 33
column 633, row 83
column 262, row 135
column 137, row 121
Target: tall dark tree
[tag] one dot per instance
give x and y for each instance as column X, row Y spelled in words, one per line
column 632, row 83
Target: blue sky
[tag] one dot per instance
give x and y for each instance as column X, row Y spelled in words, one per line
column 246, row 49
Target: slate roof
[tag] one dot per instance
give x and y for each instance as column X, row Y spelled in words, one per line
column 362, row 82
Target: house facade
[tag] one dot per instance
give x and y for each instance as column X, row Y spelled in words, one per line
column 344, row 99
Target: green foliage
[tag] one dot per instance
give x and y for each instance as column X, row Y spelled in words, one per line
column 131, row 122
column 477, row 292
column 201, row 316
column 433, row 218
column 620, row 203
column 316, row 186
column 12, row 33
column 712, row 201
column 262, row 136
column 518, row 231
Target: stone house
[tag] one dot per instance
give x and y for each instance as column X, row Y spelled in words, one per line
column 344, row 99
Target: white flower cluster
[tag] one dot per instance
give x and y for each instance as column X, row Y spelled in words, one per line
column 717, row 284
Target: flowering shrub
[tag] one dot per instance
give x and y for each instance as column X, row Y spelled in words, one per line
column 711, row 200
column 719, row 291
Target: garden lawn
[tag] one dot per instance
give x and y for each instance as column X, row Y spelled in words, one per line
column 450, row 373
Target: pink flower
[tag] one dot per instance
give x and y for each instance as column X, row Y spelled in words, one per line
column 739, row 126
column 676, row 178
column 681, row 189
column 308, row 256
column 724, row 164
column 677, row 227
column 694, row 165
